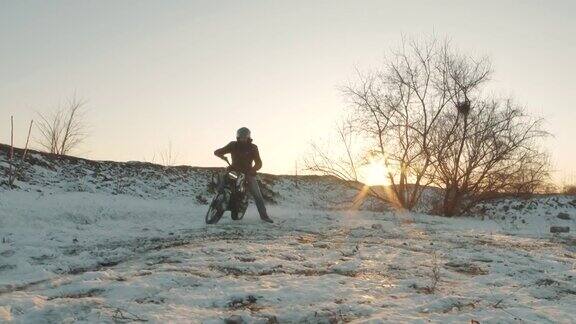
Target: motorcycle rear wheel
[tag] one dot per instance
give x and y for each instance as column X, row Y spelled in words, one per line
column 237, row 215
column 239, row 209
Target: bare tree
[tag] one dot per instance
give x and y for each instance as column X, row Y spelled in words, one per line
column 488, row 150
column 398, row 106
column 532, row 176
column 424, row 114
column 64, row 129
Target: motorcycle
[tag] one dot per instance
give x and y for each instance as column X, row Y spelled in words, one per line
column 231, row 196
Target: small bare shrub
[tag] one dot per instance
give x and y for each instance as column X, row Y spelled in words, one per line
column 168, row 157
column 435, row 274
column 64, row 129
column 570, row 190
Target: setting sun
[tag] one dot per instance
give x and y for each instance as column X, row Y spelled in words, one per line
column 376, row 174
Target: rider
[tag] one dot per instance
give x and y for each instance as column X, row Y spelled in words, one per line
column 244, row 154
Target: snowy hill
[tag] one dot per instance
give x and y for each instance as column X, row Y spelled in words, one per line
column 45, row 173
column 107, row 242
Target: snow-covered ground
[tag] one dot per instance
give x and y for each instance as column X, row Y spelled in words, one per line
column 143, row 253
column 74, row 257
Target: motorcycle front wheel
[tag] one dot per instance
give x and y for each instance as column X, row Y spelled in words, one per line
column 216, row 209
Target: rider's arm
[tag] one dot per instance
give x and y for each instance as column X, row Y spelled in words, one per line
column 225, row 150
column 257, row 160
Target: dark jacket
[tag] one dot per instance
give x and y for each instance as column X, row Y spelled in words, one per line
column 243, row 155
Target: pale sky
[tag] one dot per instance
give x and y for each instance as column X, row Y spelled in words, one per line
column 192, row 72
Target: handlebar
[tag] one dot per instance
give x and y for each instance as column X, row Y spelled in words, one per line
column 226, row 159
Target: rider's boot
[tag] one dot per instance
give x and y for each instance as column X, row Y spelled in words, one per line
column 267, row 219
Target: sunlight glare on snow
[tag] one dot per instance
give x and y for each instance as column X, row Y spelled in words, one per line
column 5, row 313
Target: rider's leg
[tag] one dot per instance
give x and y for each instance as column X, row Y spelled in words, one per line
column 258, row 198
